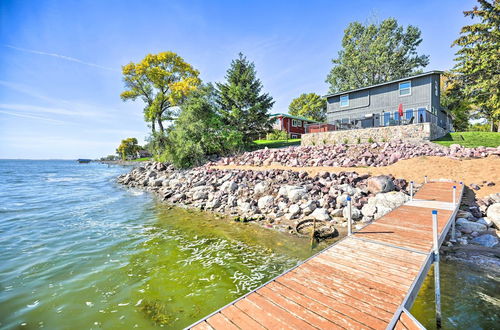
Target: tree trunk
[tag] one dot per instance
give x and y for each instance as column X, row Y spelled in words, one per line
column 492, row 125
column 160, row 124
column 153, row 128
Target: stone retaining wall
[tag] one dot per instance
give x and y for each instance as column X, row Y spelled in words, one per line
column 413, row 132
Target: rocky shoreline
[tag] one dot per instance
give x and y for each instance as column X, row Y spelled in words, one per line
column 344, row 155
column 291, row 201
column 287, row 201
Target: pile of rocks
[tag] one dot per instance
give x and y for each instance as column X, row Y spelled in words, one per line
column 367, row 154
column 277, row 198
column 480, row 224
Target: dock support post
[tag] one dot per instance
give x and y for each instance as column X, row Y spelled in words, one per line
column 425, row 179
column 453, row 238
column 411, row 190
column 349, row 216
column 437, row 287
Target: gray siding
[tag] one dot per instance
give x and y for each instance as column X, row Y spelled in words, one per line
column 386, row 98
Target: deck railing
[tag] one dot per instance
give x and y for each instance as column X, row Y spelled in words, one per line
column 382, row 119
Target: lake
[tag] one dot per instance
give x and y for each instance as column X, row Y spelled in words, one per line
column 79, row 251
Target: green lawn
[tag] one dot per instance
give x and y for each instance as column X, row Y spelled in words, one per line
column 145, row 159
column 261, row 144
column 470, row 139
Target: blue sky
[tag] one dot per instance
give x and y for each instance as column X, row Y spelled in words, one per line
column 60, row 61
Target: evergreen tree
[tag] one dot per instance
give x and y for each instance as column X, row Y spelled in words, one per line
column 199, row 131
column 241, row 103
column 375, row 53
column 478, row 60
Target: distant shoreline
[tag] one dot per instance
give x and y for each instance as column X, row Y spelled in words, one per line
column 122, row 162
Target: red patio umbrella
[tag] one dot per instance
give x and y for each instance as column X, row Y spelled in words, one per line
column 400, row 111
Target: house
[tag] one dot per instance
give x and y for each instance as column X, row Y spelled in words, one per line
column 378, row 105
column 295, row 126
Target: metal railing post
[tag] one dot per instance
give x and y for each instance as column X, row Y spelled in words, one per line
column 349, row 216
column 411, row 190
column 453, row 238
column 437, row 287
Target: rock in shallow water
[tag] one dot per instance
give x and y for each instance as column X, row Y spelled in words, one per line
column 487, row 240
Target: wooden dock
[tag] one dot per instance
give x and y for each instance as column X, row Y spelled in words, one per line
column 368, row 280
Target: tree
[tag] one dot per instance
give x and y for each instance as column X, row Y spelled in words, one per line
column 199, row 131
column 375, row 53
column 128, row 148
column 478, row 60
column 162, row 81
column 309, row 105
column 454, row 101
column 241, row 103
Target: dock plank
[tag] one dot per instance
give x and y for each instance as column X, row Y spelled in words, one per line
column 361, row 282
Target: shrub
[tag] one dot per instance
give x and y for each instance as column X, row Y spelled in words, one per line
column 346, row 141
column 370, row 140
column 359, row 140
column 277, row 134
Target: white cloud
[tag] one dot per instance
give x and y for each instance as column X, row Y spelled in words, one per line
column 63, row 57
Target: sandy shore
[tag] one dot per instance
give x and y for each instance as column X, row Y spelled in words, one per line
column 468, row 171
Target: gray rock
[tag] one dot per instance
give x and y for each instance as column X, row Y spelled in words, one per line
column 265, row 202
column 468, row 227
column 320, row 214
column 294, row 210
column 213, row 204
column 355, row 213
column 368, row 210
column 493, row 213
column 485, row 221
column 308, row 207
column 296, row 194
column 200, row 195
column 158, row 183
column 380, row 184
column 261, row 188
column 487, row 240
column 337, row 213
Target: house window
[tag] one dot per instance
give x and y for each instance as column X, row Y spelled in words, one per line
column 295, row 136
column 296, row 123
column 405, row 88
column 344, row 101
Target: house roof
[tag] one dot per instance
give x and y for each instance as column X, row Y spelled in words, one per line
column 293, row 117
column 386, row 83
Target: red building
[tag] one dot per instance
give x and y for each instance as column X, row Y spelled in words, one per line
column 293, row 125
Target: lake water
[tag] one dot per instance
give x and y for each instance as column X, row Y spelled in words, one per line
column 79, row 251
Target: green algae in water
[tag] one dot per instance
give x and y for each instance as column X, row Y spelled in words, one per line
column 470, row 299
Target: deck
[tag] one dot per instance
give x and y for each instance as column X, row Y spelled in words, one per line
column 368, row 280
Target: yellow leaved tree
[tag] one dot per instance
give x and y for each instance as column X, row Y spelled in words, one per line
column 162, row 81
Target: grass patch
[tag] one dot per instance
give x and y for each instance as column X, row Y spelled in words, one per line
column 261, row 144
column 470, row 139
column 144, row 159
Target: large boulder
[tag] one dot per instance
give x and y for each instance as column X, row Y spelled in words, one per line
column 261, row 188
column 265, row 202
column 380, row 184
column 200, row 195
column 468, row 227
column 320, row 214
column 293, row 193
column 294, row 210
column 368, row 210
column 493, row 213
column 487, row 240
column 229, row 186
